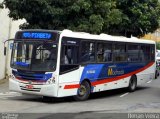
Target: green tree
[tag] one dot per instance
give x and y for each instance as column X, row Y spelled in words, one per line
column 1, row 5
column 158, row 45
column 117, row 17
column 142, row 16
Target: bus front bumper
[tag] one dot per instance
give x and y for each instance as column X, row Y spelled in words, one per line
column 42, row 90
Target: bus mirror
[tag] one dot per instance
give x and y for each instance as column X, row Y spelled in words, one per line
column 5, row 49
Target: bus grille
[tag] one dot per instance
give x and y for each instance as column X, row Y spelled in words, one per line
column 33, row 89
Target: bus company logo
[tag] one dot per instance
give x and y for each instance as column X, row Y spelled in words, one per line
column 112, row 72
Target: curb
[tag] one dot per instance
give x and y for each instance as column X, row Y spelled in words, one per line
column 3, row 81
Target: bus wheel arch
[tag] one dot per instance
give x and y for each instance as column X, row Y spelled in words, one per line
column 87, row 81
column 83, row 91
column 132, row 83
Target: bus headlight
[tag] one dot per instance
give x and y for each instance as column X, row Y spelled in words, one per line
column 51, row 80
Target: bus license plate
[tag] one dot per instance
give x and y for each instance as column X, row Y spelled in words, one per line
column 29, row 86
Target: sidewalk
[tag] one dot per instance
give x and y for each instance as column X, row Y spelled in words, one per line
column 3, row 80
column 4, row 85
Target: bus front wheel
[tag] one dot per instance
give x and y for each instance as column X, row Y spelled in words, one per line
column 83, row 92
column 47, row 99
column 132, row 84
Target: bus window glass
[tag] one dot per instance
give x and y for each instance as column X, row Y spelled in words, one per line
column 119, row 52
column 104, row 52
column 152, row 53
column 69, row 54
column 133, row 53
column 34, row 56
column 145, row 53
column 87, row 52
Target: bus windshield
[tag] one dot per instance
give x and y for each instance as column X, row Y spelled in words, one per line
column 34, row 56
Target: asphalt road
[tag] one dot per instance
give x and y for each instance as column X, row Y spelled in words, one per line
column 145, row 99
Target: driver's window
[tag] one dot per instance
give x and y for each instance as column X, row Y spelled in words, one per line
column 69, row 54
column 69, row 58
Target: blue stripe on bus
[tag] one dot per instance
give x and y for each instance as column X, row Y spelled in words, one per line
column 95, row 72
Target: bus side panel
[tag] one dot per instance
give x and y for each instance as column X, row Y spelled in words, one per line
column 68, row 89
column 109, row 75
column 103, row 77
column 146, row 75
column 117, row 84
column 69, row 83
column 117, row 75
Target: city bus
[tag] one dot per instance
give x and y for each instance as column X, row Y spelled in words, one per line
column 64, row 63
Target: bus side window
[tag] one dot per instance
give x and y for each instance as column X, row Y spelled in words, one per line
column 120, row 52
column 69, row 58
column 145, row 53
column 133, row 53
column 69, row 55
column 152, row 53
column 104, row 52
column 100, row 52
column 87, row 52
column 107, row 55
column 64, row 59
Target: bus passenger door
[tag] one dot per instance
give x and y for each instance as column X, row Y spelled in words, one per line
column 69, row 71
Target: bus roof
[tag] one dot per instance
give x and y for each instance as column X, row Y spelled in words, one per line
column 83, row 35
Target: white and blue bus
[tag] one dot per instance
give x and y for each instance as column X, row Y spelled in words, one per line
column 65, row 63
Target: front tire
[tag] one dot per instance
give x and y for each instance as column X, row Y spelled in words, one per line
column 83, row 92
column 47, row 99
column 132, row 84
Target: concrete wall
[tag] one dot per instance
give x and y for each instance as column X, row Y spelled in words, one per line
column 4, row 35
column 153, row 36
column 8, row 28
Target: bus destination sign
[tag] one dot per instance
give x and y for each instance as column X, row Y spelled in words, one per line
column 36, row 35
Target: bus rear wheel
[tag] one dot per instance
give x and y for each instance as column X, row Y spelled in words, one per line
column 156, row 74
column 132, row 84
column 83, row 92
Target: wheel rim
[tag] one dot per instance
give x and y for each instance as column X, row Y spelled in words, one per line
column 82, row 90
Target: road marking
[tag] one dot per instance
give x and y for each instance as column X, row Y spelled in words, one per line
column 124, row 95
column 5, row 95
column 9, row 93
column 149, row 81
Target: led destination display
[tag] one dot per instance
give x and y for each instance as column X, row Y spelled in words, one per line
column 36, row 35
